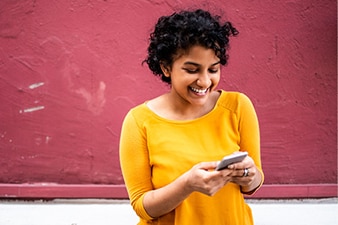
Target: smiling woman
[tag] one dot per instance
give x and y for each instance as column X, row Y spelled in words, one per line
column 171, row 145
column 193, row 77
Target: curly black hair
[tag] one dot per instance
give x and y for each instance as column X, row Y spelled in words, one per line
column 182, row 30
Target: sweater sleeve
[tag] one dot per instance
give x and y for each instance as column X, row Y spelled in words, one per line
column 135, row 165
column 249, row 133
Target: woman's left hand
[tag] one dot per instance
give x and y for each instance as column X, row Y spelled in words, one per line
column 246, row 174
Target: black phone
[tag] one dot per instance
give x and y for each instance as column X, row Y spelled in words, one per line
column 230, row 159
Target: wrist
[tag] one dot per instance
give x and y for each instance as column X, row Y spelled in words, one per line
column 185, row 183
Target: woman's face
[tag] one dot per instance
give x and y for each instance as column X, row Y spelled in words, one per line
column 194, row 75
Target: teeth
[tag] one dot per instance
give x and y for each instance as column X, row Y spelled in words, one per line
column 199, row 90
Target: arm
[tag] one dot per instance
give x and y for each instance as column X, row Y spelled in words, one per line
column 249, row 141
column 135, row 165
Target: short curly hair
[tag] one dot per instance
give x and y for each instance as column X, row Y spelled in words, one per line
column 182, row 30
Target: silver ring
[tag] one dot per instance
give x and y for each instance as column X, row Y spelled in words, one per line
column 246, row 172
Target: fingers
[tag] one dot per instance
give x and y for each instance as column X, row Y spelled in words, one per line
column 207, row 165
column 244, row 177
column 244, row 172
column 205, row 179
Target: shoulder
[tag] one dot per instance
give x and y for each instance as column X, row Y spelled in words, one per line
column 234, row 101
column 139, row 111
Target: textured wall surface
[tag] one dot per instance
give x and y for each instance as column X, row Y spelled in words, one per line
column 70, row 70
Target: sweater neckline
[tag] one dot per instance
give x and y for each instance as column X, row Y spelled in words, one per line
column 185, row 121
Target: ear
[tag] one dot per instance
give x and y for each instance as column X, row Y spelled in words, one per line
column 165, row 70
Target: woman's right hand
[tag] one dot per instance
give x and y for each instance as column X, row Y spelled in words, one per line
column 202, row 178
column 205, row 179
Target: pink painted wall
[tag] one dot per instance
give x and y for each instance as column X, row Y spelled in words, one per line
column 70, row 70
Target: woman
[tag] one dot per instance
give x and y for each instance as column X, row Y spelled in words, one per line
column 171, row 145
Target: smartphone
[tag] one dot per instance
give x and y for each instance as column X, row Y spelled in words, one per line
column 233, row 158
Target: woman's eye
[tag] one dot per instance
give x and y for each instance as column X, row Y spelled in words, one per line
column 191, row 70
column 213, row 70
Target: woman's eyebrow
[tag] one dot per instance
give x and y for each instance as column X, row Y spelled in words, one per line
column 191, row 63
column 196, row 64
column 216, row 63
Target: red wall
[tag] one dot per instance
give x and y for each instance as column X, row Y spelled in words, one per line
column 70, row 70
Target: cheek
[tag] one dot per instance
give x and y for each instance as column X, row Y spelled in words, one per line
column 215, row 79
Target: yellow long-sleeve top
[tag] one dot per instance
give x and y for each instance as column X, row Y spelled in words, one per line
column 154, row 151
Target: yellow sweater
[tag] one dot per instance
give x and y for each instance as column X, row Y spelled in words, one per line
column 155, row 151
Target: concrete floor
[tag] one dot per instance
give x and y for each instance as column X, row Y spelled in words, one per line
column 116, row 212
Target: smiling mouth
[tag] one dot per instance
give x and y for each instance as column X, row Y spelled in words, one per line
column 199, row 91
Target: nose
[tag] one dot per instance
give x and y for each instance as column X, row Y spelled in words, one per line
column 204, row 80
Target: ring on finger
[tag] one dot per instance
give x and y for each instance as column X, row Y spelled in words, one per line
column 246, row 172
